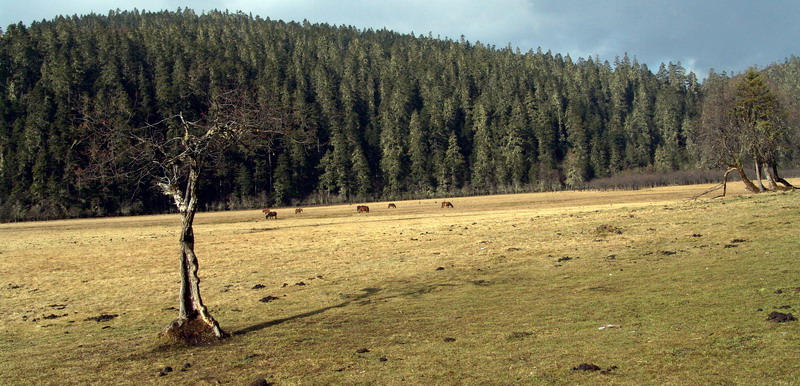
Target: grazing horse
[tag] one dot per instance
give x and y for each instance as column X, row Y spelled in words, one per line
column 447, row 204
column 362, row 208
column 272, row 215
column 392, row 206
column 298, row 210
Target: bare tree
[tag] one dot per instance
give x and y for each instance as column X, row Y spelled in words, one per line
column 720, row 137
column 172, row 153
column 743, row 122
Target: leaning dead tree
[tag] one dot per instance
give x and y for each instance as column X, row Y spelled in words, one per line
column 744, row 123
column 172, row 154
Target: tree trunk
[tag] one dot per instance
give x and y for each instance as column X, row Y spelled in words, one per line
column 725, row 181
column 758, row 176
column 194, row 324
column 749, row 185
column 772, row 170
column 770, row 177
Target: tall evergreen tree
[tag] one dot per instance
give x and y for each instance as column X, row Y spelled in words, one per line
column 483, row 165
column 418, row 155
column 450, row 174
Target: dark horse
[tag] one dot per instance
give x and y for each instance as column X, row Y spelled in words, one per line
column 362, row 208
column 298, row 210
column 271, row 214
column 392, row 206
column 447, row 204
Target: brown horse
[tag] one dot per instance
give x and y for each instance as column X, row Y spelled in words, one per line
column 362, row 208
column 298, row 210
column 392, row 206
column 272, row 215
column 265, row 211
column 447, row 204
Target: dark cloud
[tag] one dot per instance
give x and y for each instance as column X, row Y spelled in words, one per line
column 728, row 35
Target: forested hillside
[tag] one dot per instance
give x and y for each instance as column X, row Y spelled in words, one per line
column 390, row 115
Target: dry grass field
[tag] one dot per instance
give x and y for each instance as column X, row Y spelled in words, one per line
column 649, row 285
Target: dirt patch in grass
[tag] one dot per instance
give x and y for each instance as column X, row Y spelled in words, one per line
column 607, row 229
column 519, row 335
column 587, row 367
column 102, row 317
column 780, row 317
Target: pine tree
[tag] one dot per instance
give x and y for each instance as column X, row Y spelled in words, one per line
column 361, row 174
column 483, row 165
column 639, row 130
column 418, row 155
column 513, row 148
column 576, row 161
column 667, row 121
column 452, row 166
column 282, row 184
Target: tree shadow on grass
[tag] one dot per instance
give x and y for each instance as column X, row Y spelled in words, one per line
column 367, row 292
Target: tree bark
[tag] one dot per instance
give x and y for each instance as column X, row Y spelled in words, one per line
column 749, row 185
column 725, row 181
column 770, row 178
column 772, row 171
column 759, row 177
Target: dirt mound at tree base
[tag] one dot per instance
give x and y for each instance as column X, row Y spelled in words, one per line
column 194, row 332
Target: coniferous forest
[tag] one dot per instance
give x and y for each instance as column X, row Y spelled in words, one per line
column 375, row 114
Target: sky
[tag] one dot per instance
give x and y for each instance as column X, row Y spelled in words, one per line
column 724, row 35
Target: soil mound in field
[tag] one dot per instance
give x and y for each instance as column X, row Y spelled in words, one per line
column 780, row 317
